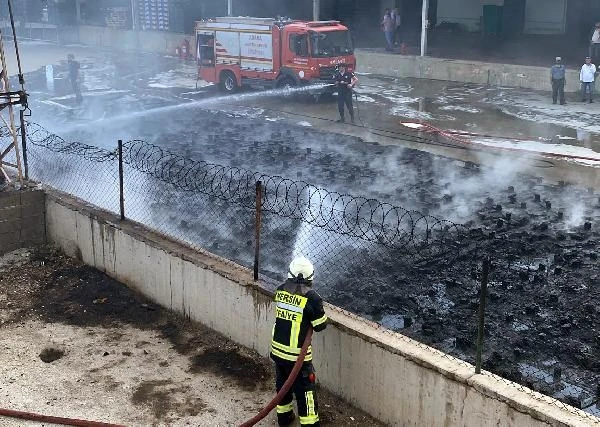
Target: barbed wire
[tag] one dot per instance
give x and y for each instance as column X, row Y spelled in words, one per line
column 344, row 214
column 37, row 135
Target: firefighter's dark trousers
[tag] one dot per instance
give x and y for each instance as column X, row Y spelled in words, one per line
column 76, row 90
column 344, row 97
column 303, row 388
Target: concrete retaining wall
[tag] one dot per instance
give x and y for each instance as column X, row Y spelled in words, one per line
column 390, row 376
column 145, row 41
column 22, row 219
column 484, row 73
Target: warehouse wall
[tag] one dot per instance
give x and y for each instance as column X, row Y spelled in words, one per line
column 467, row 13
column 541, row 16
column 147, row 41
column 545, row 16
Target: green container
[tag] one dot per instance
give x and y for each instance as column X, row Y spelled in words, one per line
column 492, row 19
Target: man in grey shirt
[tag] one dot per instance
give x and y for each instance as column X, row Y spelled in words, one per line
column 557, row 78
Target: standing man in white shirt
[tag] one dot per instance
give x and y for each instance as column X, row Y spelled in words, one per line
column 587, row 77
column 595, row 42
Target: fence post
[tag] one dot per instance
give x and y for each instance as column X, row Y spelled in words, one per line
column 24, row 142
column 257, row 226
column 121, row 192
column 482, row 298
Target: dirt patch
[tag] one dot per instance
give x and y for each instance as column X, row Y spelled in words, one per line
column 185, row 340
column 163, row 397
column 334, row 411
column 248, row 373
column 50, row 354
column 248, row 370
column 122, row 347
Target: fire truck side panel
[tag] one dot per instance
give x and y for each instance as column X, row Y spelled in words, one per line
column 227, row 47
column 256, row 51
column 208, row 74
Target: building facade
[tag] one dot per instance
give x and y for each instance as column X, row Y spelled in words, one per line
column 503, row 18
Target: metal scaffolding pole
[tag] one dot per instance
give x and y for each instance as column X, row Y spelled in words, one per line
column 133, row 16
column 78, row 11
column 424, row 26
column 8, row 99
column 316, row 9
column 229, row 7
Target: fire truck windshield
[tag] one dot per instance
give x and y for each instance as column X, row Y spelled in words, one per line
column 330, row 43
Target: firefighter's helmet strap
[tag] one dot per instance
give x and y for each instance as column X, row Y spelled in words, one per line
column 303, row 279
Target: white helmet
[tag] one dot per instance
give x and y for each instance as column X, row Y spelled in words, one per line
column 301, row 269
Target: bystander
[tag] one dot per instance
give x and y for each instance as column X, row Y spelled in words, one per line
column 557, row 78
column 587, row 76
column 74, row 77
column 388, row 27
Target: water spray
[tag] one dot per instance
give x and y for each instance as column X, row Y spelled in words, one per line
column 287, row 91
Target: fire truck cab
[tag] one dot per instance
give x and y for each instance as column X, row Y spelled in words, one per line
column 269, row 53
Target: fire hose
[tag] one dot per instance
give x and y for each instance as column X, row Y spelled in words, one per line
column 455, row 136
column 30, row 416
column 286, row 386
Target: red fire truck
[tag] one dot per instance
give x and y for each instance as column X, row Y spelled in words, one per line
column 270, row 53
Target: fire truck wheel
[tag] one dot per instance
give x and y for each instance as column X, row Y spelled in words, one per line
column 228, row 82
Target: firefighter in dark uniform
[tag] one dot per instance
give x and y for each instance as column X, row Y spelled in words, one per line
column 297, row 307
column 74, row 77
column 344, row 82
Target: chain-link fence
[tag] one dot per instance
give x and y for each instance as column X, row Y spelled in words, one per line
column 534, row 324
column 88, row 172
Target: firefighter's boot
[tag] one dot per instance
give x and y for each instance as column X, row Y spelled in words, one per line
column 285, row 419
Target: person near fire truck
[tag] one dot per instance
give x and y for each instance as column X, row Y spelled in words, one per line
column 344, row 81
column 297, row 308
column 74, row 76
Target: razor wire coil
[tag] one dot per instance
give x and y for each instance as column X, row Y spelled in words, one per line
column 358, row 217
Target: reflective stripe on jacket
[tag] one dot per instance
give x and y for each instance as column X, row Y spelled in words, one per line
column 297, row 307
